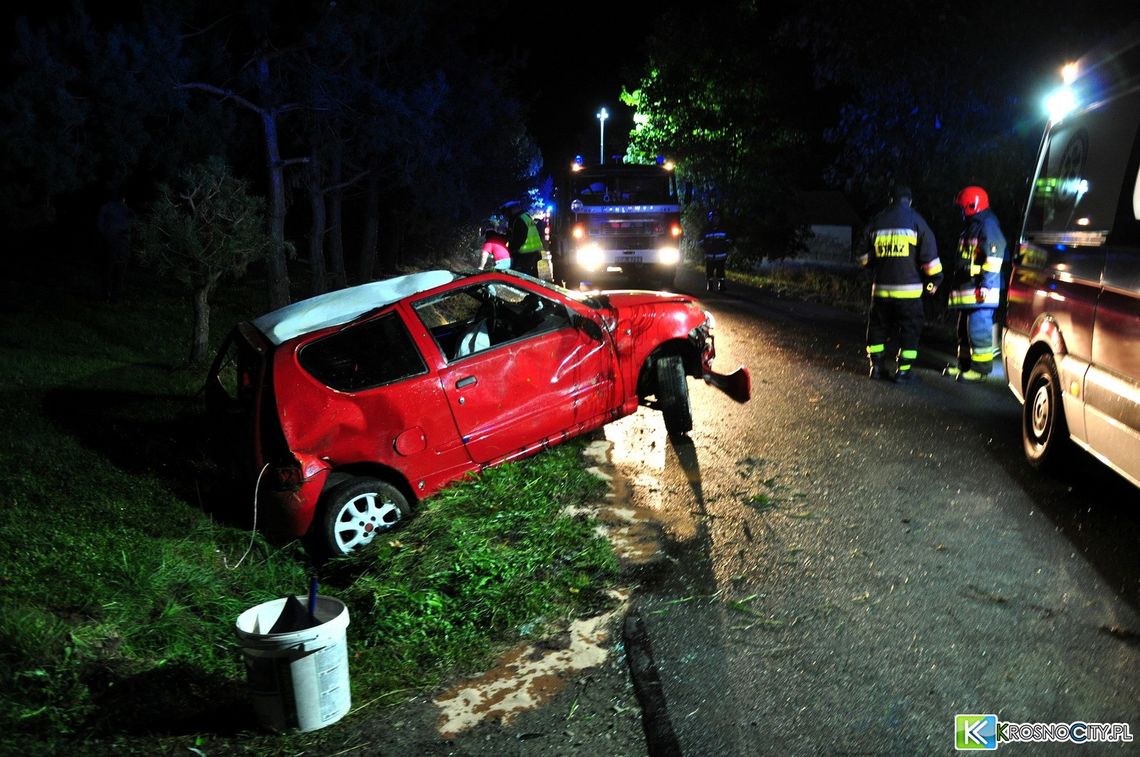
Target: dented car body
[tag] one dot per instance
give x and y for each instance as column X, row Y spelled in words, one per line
column 342, row 410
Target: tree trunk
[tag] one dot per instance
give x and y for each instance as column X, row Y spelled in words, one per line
column 317, row 229
column 371, row 228
column 200, row 339
column 277, row 271
column 338, row 279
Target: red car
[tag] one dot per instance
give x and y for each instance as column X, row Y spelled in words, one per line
column 341, row 410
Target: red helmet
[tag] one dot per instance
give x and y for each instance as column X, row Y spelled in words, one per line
column 972, row 200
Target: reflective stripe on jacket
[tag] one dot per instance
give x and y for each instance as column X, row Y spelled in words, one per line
column 899, row 247
column 715, row 245
column 976, row 279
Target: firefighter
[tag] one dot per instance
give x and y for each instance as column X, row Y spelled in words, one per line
column 899, row 248
column 715, row 244
column 524, row 240
column 975, row 285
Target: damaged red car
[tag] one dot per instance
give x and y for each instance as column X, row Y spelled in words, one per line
column 341, row 411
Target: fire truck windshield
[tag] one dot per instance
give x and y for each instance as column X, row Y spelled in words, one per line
column 626, row 190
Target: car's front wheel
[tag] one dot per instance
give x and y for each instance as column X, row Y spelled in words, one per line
column 354, row 512
column 673, row 395
column 1044, row 432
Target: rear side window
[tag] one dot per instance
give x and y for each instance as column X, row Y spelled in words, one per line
column 364, row 355
column 1086, row 155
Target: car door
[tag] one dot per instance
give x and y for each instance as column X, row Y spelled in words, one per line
column 518, row 372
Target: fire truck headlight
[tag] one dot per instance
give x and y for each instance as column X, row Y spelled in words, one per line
column 668, row 255
column 590, row 257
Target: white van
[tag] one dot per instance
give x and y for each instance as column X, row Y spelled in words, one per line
column 1071, row 342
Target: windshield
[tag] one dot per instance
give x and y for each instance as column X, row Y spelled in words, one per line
column 582, row 297
column 641, row 189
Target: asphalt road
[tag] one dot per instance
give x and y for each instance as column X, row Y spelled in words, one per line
column 851, row 563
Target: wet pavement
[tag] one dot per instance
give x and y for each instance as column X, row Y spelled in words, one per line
column 853, row 563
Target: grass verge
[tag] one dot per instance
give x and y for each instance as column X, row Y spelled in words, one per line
column 120, row 587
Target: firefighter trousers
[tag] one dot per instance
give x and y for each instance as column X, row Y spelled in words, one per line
column 889, row 315
column 976, row 340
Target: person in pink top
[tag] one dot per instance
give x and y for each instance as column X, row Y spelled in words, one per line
column 495, row 247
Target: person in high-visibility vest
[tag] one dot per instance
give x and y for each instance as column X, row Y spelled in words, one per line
column 899, row 247
column 523, row 239
column 975, row 285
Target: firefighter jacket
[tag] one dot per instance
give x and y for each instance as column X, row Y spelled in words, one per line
column 524, row 235
column 899, row 248
column 975, row 281
column 715, row 244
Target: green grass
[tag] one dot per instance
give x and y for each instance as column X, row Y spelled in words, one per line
column 120, row 589
column 850, row 290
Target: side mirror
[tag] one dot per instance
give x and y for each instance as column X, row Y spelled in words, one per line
column 576, row 206
column 588, row 327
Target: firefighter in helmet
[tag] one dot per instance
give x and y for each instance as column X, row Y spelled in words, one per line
column 715, row 244
column 899, row 248
column 975, row 285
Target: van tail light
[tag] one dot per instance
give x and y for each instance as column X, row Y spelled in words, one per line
column 675, row 230
column 579, row 231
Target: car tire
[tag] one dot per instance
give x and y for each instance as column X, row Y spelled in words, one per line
column 352, row 513
column 1044, row 431
column 673, row 395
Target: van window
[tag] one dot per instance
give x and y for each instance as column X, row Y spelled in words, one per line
column 1082, row 172
column 364, row 356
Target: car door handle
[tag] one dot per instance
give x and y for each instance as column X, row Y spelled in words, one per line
column 466, row 381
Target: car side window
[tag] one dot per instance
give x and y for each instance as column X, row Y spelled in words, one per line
column 364, row 356
column 470, row 320
column 1082, row 172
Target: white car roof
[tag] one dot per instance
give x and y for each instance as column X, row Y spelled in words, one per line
column 344, row 305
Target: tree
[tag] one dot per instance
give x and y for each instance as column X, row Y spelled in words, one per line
column 938, row 96
column 709, row 101
column 85, row 104
column 201, row 229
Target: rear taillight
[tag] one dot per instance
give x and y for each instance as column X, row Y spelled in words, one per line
column 289, row 476
column 675, row 230
column 579, row 231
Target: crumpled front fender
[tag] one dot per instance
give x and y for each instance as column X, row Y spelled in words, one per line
column 737, row 385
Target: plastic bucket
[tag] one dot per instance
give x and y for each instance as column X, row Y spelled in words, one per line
column 298, row 680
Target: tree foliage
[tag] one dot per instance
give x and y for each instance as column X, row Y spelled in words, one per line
column 401, row 117
column 938, row 96
column 710, row 100
column 202, row 228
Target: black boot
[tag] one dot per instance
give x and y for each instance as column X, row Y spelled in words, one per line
column 876, row 371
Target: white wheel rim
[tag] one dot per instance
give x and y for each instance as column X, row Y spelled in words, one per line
column 362, row 517
column 1040, row 417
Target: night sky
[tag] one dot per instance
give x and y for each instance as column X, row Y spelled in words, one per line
column 578, row 55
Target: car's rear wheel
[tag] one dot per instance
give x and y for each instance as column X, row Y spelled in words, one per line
column 673, row 395
column 354, row 512
column 1044, row 432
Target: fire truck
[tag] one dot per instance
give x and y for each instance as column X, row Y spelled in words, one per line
column 616, row 224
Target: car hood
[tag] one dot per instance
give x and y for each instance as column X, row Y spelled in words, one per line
column 623, row 299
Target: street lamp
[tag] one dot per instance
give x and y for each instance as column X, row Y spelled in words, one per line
column 602, row 116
